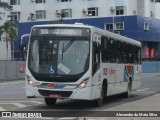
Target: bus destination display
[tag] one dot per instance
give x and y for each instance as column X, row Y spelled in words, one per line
column 61, row 31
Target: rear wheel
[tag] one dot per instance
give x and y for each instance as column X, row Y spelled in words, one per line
column 50, row 101
column 129, row 88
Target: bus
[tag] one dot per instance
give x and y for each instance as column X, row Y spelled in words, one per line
column 80, row 62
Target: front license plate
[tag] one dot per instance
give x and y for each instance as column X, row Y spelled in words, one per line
column 54, row 96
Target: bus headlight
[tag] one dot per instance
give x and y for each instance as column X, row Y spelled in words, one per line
column 30, row 82
column 83, row 83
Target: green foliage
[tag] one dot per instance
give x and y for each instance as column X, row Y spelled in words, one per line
column 10, row 29
column 5, row 6
column 157, row 1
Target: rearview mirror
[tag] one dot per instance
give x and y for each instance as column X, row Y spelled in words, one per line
column 23, row 36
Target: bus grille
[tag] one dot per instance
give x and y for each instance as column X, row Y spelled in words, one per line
column 49, row 92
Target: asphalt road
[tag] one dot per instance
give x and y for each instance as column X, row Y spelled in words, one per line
column 12, row 97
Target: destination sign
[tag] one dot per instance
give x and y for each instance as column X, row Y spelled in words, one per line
column 61, row 31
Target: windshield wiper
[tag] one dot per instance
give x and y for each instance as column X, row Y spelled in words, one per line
column 65, row 48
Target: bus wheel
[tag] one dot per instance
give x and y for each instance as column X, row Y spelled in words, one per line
column 129, row 88
column 50, row 101
column 99, row 101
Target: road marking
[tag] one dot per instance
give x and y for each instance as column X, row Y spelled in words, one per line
column 19, row 105
column 11, row 82
column 141, row 92
column 1, row 109
column 142, row 89
column 38, row 102
column 12, row 93
column 68, row 118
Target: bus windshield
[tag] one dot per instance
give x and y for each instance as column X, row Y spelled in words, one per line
column 58, row 55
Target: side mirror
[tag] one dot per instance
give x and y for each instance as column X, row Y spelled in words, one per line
column 23, row 36
column 22, row 47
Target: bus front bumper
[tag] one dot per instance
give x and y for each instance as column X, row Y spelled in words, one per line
column 70, row 93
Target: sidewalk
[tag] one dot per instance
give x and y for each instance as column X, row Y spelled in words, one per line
column 150, row 104
column 145, row 75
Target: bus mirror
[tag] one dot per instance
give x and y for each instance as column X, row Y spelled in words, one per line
column 22, row 47
column 23, row 36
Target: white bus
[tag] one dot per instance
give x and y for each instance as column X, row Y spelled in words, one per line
column 80, row 62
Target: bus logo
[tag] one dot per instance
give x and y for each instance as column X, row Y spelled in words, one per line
column 128, row 72
column 51, row 70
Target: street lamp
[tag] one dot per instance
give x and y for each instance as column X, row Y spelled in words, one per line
column 84, row 12
column 61, row 15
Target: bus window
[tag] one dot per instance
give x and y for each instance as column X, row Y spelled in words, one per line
column 118, row 52
column 139, row 55
column 111, row 50
column 130, row 54
column 104, row 49
column 96, row 57
column 125, row 54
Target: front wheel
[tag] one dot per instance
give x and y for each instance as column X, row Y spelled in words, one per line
column 99, row 101
column 50, row 101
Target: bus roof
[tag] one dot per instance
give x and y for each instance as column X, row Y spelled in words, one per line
column 96, row 30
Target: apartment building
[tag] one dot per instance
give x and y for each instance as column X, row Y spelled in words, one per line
column 5, row 52
column 137, row 19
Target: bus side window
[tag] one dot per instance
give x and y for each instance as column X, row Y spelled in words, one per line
column 104, row 49
column 111, row 50
column 139, row 55
column 130, row 53
column 125, row 53
column 96, row 57
column 118, row 52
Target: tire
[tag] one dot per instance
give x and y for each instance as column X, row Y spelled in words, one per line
column 99, row 101
column 50, row 101
column 129, row 88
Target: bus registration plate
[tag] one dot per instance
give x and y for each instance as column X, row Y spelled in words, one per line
column 54, row 96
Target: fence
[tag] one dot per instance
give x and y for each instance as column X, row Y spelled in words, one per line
column 151, row 66
column 12, row 70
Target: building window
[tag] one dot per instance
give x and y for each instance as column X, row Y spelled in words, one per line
column 14, row 2
column 15, row 15
column 109, row 27
column 40, row 14
column 40, row 1
column 151, row 14
column 146, row 26
column 65, row 0
column 119, row 26
column 93, row 11
column 66, row 12
column 120, row 10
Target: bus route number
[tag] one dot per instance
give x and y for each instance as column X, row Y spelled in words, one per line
column 44, row 31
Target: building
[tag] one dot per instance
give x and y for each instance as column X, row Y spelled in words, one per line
column 137, row 19
column 5, row 52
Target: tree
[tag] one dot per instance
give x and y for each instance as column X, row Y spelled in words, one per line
column 10, row 29
column 5, row 6
column 157, row 1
